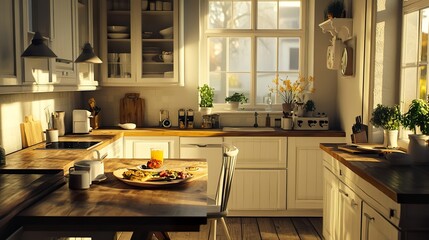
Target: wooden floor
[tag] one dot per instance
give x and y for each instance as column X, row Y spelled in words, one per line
column 249, row 228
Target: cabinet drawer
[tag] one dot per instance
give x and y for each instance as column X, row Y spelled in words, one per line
column 260, row 152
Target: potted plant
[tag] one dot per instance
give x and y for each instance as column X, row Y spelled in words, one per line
column 388, row 118
column 309, row 108
column 206, row 99
column 236, row 99
column 417, row 116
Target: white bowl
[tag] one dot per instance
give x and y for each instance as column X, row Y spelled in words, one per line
column 167, row 33
column 118, row 35
column 117, row 29
column 127, row 125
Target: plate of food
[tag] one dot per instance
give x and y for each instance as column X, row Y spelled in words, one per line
column 152, row 177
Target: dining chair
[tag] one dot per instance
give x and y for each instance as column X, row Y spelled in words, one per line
column 217, row 207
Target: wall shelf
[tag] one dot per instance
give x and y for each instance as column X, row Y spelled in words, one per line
column 341, row 28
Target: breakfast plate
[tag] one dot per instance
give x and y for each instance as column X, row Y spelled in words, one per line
column 151, row 181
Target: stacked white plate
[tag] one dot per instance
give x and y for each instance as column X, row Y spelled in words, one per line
column 118, row 32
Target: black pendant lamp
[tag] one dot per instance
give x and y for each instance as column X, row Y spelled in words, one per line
column 37, row 49
column 88, row 55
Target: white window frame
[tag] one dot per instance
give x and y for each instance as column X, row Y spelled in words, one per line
column 409, row 6
column 253, row 33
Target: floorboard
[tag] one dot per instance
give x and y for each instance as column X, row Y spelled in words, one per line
column 252, row 228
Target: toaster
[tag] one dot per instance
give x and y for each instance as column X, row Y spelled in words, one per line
column 81, row 123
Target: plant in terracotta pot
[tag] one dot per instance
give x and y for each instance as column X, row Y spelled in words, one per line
column 388, row 118
column 206, row 99
column 236, row 99
column 309, row 108
column 416, row 117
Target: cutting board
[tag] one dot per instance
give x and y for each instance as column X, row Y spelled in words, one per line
column 131, row 109
column 31, row 132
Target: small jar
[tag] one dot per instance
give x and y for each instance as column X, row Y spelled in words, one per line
column 166, row 5
column 158, row 5
column 152, row 6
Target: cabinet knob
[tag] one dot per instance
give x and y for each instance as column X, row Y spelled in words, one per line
column 354, row 203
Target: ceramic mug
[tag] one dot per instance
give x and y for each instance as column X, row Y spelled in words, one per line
column 79, row 179
column 95, row 168
column 51, row 135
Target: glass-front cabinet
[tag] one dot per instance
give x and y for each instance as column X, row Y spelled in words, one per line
column 140, row 42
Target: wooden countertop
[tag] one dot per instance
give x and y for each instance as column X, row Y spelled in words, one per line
column 217, row 132
column 112, row 205
column 407, row 184
column 37, row 158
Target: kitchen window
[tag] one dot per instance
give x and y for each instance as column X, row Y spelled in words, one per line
column 245, row 44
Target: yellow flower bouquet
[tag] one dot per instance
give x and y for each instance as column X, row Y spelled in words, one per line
column 293, row 92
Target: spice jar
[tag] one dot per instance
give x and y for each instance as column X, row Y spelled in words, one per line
column 158, row 5
column 166, row 5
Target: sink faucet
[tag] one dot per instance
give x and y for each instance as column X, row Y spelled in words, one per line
column 256, row 120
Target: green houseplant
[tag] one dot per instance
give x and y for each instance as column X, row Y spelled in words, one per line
column 235, row 99
column 206, row 99
column 309, row 108
column 417, row 116
column 388, row 118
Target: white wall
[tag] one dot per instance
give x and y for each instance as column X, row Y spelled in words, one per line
column 13, row 108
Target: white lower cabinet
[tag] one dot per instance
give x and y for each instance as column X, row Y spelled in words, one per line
column 349, row 213
column 258, row 190
column 260, row 178
column 139, row 147
column 305, row 174
column 376, row 227
column 330, row 205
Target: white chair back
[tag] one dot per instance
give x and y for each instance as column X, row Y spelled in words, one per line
column 226, row 176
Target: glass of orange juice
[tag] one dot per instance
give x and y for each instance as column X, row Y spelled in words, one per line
column 157, row 155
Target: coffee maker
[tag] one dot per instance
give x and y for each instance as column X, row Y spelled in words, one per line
column 81, row 122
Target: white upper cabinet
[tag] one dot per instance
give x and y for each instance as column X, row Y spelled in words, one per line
column 63, row 41
column 140, row 45
column 9, row 60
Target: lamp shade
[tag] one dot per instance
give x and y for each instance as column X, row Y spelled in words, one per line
column 37, row 49
column 87, row 55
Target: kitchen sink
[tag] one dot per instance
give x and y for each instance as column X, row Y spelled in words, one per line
column 248, row 129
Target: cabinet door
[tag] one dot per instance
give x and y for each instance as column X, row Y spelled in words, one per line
column 63, row 41
column 258, row 190
column 350, row 207
column 330, row 205
column 139, row 147
column 9, row 43
column 305, row 166
column 376, row 227
column 209, row 148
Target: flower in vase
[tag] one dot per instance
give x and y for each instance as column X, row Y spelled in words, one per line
column 292, row 92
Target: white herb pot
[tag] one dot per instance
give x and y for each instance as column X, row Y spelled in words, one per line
column 390, row 138
column 418, row 148
column 205, row 110
column 233, row 105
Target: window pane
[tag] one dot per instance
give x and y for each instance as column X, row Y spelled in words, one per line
column 217, row 80
column 219, row 14
column 409, row 85
column 239, row 55
column 264, row 82
column 266, row 54
column 241, row 15
column 7, row 46
column 217, row 54
column 229, row 14
column 289, row 54
column 424, row 36
column 289, row 14
column 423, row 81
column 267, row 15
column 238, row 82
column 411, row 38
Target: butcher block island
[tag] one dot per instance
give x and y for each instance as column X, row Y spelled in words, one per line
column 367, row 196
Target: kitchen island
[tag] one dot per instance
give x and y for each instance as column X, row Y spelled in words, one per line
column 368, row 197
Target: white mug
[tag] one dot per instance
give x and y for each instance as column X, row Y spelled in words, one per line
column 96, row 167
column 79, row 179
column 51, row 135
